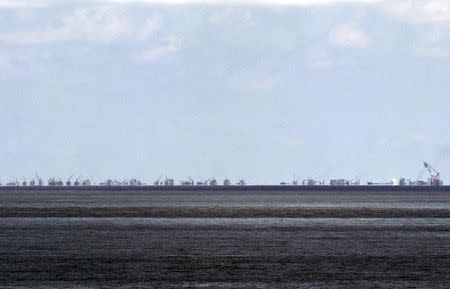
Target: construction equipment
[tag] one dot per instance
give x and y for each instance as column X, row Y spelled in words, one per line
column 68, row 182
column 241, row 182
column 309, row 182
column 158, row 182
column 13, row 184
column 204, row 183
column 40, row 181
column 108, row 182
column 435, row 179
column 169, row 182
column 190, row 182
column 55, row 182
column 226, row 182
column 213, row 182
column 419, row 183
column 406, row 182
column 339, row 182
column 135, row 182
column 402, row 182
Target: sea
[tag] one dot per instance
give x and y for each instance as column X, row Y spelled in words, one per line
column 224, row 239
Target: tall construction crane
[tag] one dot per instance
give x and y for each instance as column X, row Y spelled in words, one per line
column 40, row 181
column 435, row 179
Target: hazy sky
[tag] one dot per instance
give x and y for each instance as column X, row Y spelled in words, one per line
column 253, row 89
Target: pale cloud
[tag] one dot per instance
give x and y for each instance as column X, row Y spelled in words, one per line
column 170, row 46
column 233, row 15
column 246, row 2
column 40, row 3
column 431, row 20
column 94, row 25
column 418, row 11
column 22, row 3
column 25, row 15
column 348, row 36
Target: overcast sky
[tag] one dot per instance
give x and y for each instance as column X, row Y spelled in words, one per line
column 252, row 89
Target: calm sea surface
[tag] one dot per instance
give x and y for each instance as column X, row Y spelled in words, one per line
column 126, row 239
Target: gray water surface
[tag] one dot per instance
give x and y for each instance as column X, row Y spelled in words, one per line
column 42, row 251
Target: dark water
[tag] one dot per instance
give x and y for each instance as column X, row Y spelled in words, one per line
column 224, row 240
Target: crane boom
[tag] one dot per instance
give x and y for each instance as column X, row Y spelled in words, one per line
column 435, row 179
column 430, row 168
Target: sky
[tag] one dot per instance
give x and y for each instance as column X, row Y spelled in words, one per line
column 262, row 90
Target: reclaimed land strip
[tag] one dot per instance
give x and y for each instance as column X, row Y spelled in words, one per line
column 221, row 189
column 219, row 212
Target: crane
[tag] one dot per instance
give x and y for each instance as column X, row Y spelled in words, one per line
column 204, row 183
column 213, row 182
column 241, row 182
column 435, row 179
column 190, row 182
column 69, row 182
column 40, row 181
column 158, row 182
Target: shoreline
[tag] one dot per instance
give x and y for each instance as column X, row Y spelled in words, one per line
column 273, row 188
